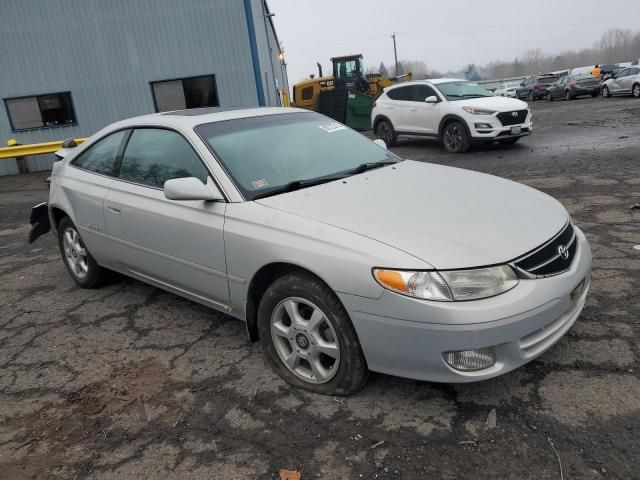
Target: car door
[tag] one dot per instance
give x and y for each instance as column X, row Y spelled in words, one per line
column 399, row 107
column 617, row 83
column 422, row 117
column 86, row 184
column 627, row 81
column 176, row 244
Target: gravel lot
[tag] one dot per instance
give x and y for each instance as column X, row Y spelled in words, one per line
column 128, row 381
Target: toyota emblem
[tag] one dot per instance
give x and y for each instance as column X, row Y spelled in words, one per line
column 563, row 252
column 514, row 114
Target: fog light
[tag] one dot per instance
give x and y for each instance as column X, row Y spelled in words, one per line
column 483, row 125
column 471, row 360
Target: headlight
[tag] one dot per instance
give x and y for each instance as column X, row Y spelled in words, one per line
column 449, row 285
column 478, row 111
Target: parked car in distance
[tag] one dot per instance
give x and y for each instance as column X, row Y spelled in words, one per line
column 458, row 113
column 624, row 82
column 341, row 257
column 535, row 87
column 507, row 90
column 573, row 86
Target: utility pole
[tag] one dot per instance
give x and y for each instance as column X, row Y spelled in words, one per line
column 395, row 52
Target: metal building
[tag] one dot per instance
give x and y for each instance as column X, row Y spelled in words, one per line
column 70, row 67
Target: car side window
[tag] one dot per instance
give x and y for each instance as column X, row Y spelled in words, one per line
column 155, row 155
column 623, row 73
column 402, row 93
column 101, row 156
column 421, row 93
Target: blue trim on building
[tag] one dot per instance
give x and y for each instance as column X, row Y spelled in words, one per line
column 254, row 52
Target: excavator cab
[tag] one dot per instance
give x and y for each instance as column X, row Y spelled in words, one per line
column 350, row 70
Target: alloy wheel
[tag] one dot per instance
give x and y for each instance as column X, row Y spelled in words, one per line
column 384, row 132
column 75, row 252
column 453, row 137
column 305, row 340
column 636, row 91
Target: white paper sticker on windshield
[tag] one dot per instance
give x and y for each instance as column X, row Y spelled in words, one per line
column 332, row 127
column 260, row 183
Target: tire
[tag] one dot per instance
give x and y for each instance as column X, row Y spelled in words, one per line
column 549, row 97
column 76, row 257
column 605, row 92
column 386, row 132
column 635, row 90
column 532, row 96
column 567, row 96
column 455, row 138
column 509, row 141
column 343, row 371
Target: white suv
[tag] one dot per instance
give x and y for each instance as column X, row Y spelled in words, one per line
column 456, row 112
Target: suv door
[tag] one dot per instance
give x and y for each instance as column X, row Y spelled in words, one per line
column 423, row 117
column 86, row 185
column 176, row 244
column 399, row 107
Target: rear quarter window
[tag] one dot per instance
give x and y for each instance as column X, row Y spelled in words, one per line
column 101, row 156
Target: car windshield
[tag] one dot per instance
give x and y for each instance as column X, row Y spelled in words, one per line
column 461, row 90
column 265, row 154
column 548, row 80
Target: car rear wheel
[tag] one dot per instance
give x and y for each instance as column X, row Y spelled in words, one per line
column 605, row 92
column 308, row 338
column 80, row 264
column 386, row 132
column 549, row 97
column 455, row 138
column 636, row 90
column 532, row 96
column 568, row 96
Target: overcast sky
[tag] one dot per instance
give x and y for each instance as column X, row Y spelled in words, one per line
column 445, row 34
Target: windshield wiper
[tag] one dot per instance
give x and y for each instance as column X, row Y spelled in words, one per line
column 297, row 185
column 368, row 166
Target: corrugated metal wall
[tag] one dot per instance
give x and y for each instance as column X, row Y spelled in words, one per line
column 106, row 53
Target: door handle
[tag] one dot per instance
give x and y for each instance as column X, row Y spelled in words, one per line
column 114, row 210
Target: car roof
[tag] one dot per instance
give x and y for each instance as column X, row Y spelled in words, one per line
column 432, row 81
column 185, row 119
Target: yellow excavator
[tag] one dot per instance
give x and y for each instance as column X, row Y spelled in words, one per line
column 348, row 94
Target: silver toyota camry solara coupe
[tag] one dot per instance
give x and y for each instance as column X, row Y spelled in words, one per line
column 339, row 256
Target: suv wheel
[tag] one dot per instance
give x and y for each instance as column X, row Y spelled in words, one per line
column 386, row 132
column 605, row 92
column 532, row 96
column 455, row 138
column 80, row 264
column 308, row 337
column 636, row 90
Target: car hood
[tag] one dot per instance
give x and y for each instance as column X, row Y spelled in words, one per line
column 500, row 104
column 447, row 217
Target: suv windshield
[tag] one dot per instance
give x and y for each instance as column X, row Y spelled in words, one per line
column 267, row 154
column 461, row 90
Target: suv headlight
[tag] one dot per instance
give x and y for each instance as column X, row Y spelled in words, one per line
column 478, row 111
column 448, row 285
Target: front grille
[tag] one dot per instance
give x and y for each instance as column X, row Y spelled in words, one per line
column 546, row 260
column 508, row 118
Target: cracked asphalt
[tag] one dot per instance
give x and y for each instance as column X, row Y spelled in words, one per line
column 128, row 381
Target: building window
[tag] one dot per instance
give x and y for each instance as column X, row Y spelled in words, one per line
column 41, row 111
column 193, row 92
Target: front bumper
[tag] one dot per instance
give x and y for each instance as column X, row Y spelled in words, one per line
column 407, row 337
column 488, row 128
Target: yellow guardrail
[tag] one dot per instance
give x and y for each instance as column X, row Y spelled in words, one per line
column 17, row 151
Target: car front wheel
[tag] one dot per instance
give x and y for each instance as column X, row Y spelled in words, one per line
column 308, row 337
column 80, row 264
column 605, row 92
column 455, row 138
column 386, row 132
column 636, row 90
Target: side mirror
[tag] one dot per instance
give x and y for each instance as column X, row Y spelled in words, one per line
column 431, row 99
column 380, row 143
column 190, row 188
